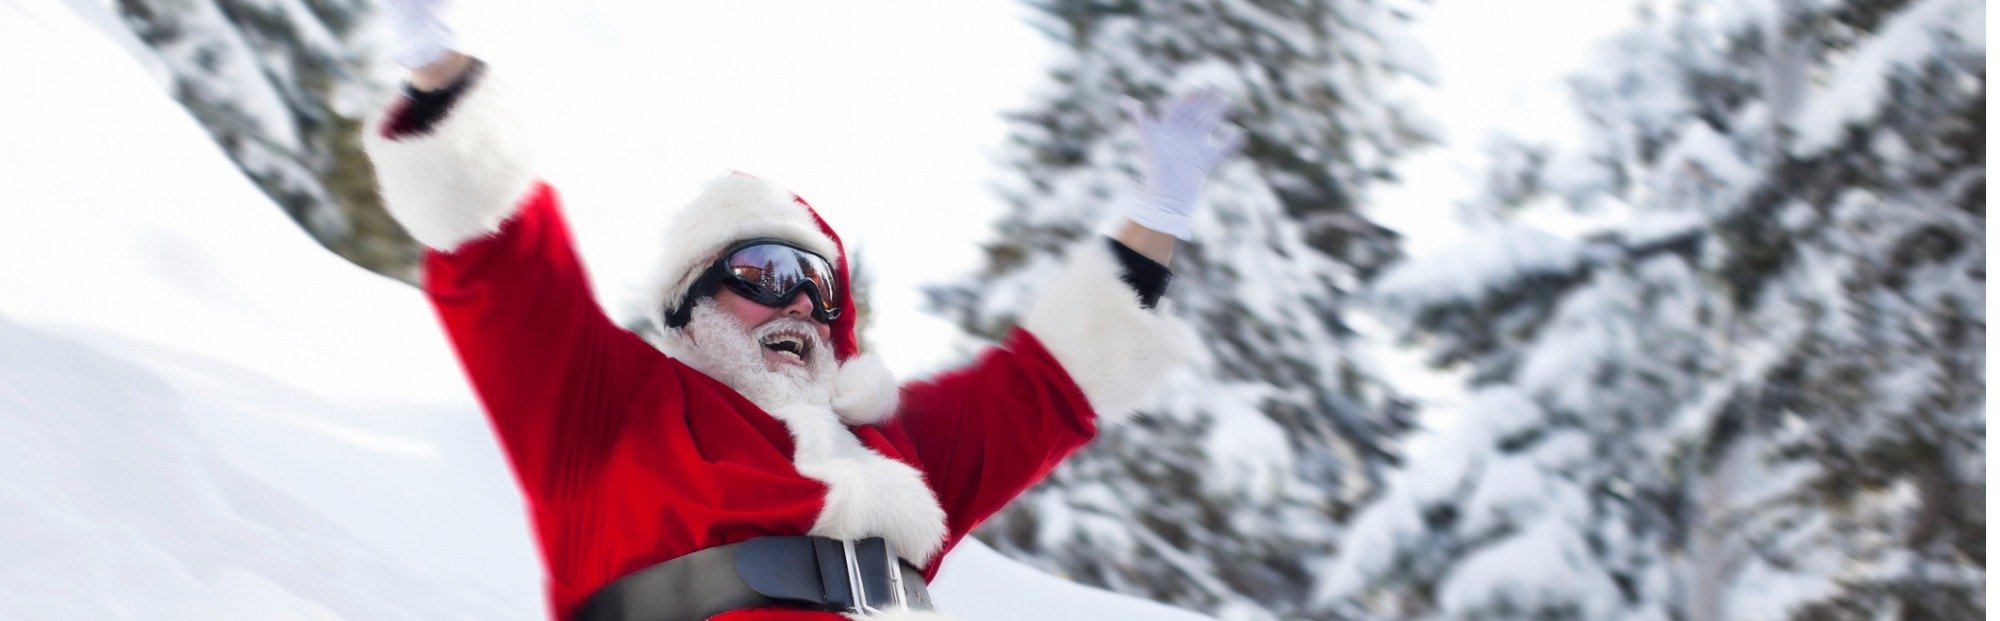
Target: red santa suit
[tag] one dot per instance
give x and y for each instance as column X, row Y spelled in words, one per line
column 628, row 457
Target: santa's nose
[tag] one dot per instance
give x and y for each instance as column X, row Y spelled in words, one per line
column 799, row 308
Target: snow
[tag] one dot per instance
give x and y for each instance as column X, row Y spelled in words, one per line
column 1542, row 568
column 1539, row 564
column 188, row 256
column 1700, row 396
column 1861, row 80
column 1486, row 260
column 231, row 74
column 1496, row 67
column 303, row 23
column 1296, row 37
column 1656, row 225
column 978, row 583
column 1708, row 157
column 1405, row 51
column 1730, row 16
column 209, row 416
column 139, row 509
column 1249, row 451
column 1762, row 591
column 1452, row 463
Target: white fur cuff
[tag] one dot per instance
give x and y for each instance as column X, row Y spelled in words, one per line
column 461, row 180
column 1114, row 349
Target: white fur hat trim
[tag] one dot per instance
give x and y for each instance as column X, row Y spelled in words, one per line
column 729, row 210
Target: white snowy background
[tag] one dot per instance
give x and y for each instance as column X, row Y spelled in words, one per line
column 199, row 421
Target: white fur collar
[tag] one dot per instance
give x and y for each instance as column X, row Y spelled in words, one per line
column 868, row 494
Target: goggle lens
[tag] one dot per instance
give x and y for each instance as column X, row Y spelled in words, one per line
column 776, row 272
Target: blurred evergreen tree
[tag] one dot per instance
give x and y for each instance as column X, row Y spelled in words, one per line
column 280, row 86
column 1227, row 496
column 1755, row 391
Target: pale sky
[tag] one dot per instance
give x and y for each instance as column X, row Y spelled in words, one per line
column 882, row 114
column 1500, row 66
column 885, row 115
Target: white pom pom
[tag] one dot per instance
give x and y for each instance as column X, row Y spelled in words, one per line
column 864, row 391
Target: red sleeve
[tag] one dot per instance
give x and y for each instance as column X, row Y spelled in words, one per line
column 554, row 373
column 986, row 432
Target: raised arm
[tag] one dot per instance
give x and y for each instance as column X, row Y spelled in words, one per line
column 500, row 268
column 1091, row 348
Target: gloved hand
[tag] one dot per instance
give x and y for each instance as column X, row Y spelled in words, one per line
column 1186, row 141
column 422, row 37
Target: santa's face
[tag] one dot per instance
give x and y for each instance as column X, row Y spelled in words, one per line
column 767, row 354
column 784, row 334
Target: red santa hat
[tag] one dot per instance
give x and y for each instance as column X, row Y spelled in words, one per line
column 740, row 207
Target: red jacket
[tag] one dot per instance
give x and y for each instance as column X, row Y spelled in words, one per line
column 628, row 457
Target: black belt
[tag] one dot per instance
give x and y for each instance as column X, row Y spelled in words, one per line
column 809, row 572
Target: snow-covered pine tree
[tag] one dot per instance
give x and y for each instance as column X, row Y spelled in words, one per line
column 267, row 78
column 1228, row 495
column 1756, row 390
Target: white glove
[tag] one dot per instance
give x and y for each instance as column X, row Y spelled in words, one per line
column 1186, row 141
column 422, row 37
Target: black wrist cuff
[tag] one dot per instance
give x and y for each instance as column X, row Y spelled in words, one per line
column 425, row 109
column 1146, row 277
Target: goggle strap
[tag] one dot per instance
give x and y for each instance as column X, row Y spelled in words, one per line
column 703, row 286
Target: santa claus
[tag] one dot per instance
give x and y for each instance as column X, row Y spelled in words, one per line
column 754, row 464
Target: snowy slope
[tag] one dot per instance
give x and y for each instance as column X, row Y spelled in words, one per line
column 201, row 393
column 208, row 416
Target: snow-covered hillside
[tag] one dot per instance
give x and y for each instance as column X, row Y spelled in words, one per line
column 209, row 416
column 201, row 419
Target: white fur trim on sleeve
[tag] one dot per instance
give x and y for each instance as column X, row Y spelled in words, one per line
column 461, row 180
column 1114, row 349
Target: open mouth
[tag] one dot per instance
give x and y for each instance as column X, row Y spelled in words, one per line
column 791, row 343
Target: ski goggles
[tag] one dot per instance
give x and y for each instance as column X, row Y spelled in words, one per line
column 770, row 272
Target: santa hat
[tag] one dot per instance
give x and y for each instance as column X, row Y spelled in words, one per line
column 741, row 207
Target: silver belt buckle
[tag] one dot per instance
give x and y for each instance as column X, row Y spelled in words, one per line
column 895, row 576
column 855, row 588
column 859, row 590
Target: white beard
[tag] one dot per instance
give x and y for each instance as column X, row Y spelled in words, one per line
column 716, row 344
